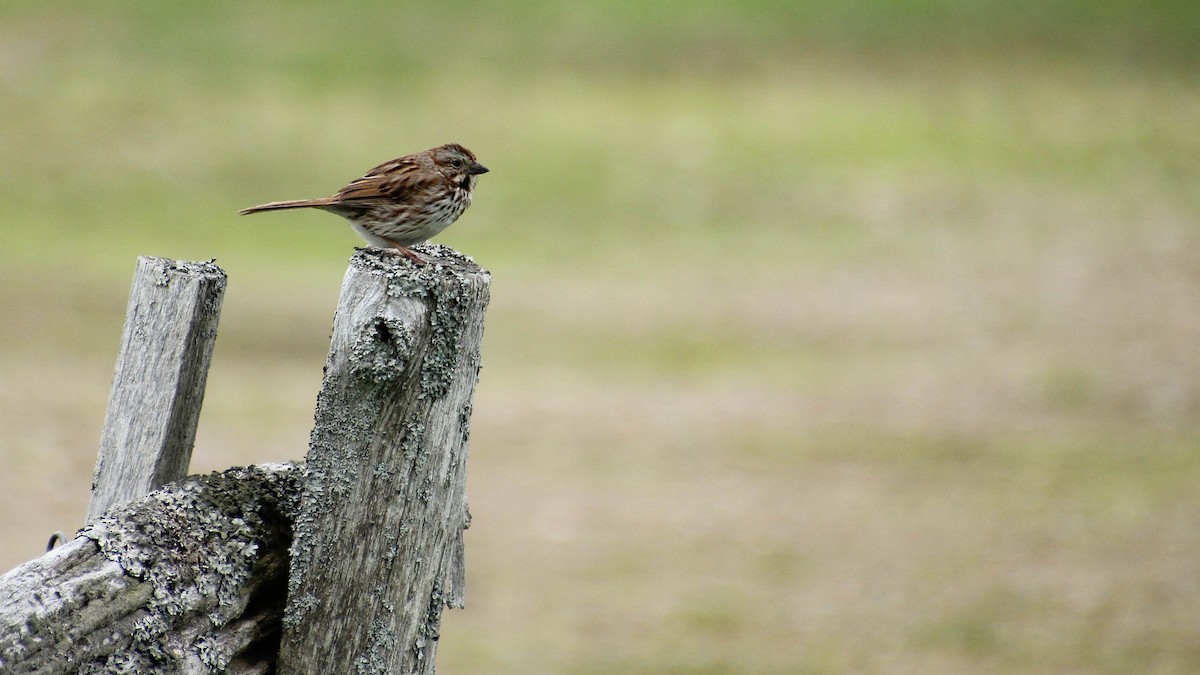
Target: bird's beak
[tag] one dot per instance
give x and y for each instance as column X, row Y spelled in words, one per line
column 477, row 168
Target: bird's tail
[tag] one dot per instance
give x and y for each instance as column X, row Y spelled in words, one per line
column 293, row 204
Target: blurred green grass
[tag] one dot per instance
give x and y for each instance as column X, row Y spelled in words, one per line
column 824, row 338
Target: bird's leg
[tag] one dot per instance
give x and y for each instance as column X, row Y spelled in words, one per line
column 407, row 253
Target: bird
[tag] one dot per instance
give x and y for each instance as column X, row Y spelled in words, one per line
column 403, row 201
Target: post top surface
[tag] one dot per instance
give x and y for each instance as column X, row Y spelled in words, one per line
column 439, row 259
column 167, row 266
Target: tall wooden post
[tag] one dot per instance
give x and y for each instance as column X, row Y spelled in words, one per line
column 377, row 552
column 170, row 329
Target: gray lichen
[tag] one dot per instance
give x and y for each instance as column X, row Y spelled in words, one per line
column 200, row 544
column 166, row 268
column 448, row 283
column 376, row 659
column 382, row 350
column 425, row 644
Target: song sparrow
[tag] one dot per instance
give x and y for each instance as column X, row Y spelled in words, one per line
column 402, row 202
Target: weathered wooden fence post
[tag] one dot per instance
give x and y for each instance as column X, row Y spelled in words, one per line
column 377, row 552
column 170, row 328
column 187, row 579
column 190, row 578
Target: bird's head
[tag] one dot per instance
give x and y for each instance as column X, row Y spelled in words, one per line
column 458, row 164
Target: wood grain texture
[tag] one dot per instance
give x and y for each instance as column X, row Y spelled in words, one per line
column 378, row 549
column 158, row 387
column 187, row 579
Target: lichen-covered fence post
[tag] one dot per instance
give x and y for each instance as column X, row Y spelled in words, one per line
column 166, row 347
column 378, row 550
column 187, row 579
column 193, row 576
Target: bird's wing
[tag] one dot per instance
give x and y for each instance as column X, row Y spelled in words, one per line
column 398, row 180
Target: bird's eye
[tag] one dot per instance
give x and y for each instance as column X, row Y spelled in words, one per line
column 456, row 163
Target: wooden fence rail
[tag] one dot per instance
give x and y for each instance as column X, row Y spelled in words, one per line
column 342, row 564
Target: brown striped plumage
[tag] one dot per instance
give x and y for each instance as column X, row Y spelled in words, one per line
column 404, row 201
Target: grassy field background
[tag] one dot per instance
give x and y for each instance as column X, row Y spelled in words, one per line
column 827, row 339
